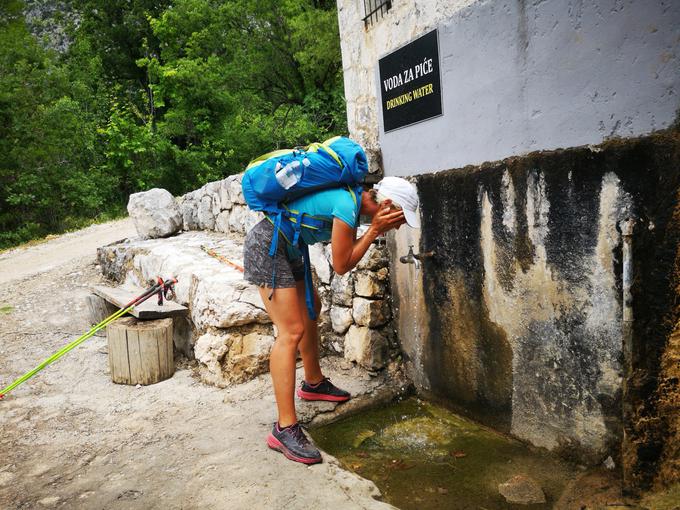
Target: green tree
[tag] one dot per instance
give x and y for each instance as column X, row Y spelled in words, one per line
column 47, row 138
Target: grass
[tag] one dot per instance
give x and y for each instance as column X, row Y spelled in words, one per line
column 6, row 309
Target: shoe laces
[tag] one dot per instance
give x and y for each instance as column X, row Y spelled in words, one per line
column 322, row 381
column 298, row 434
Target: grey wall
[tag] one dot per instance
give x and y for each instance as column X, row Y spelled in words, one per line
column 520, row 76
column 518, row 317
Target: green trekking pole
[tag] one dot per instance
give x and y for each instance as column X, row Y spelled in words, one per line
column 161, row 287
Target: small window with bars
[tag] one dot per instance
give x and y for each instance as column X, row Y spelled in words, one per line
column 375, row 10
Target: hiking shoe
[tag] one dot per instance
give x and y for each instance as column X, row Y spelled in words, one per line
column 292, row 442
column 324, row 390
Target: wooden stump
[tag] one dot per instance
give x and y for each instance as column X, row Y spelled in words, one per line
column 140, row 352
column 99, row 309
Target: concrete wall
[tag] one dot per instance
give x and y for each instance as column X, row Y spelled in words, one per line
column 518, row 318
column 518, row 76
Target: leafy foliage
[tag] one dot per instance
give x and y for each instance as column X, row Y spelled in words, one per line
column 154, row 94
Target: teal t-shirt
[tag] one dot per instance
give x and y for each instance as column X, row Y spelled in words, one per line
column 327, row 205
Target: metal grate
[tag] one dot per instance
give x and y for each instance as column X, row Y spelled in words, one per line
column 375, row 8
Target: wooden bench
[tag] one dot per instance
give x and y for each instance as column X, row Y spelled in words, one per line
column 149, row 309
column 141, row 343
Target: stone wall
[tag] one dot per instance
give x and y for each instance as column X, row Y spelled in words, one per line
column 228, row 330
column 218, row 206
column 356, row 307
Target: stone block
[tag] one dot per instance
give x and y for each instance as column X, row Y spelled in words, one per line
column 206, row 218
column 232, row 357
column 235, row 191
column 317, row 255
column 375, row 258
column 222, row 222
column 371, row 284
column 342, row 289
column 248, row 357
column 209, row 350
column 341, row 319
column 370, row 312
column 189, row 210
column 221, row 303
column 237, row 219
column 251, row 218
column 367, row 347
column 155, row 213
column 225, row 198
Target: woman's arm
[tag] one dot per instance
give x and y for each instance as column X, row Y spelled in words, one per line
column 347, row 250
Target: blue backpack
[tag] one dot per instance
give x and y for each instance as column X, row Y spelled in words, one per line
column 278, row 177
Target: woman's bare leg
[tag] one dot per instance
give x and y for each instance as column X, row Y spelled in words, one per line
column 286, row 312
column 309, row 345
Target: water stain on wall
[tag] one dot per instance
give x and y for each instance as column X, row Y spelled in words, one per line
column 524, row 294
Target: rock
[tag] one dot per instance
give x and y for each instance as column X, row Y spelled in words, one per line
column 374, row 259
column 609, row 463
column 222, row 222
column 341, row 319
column 248, row 357
column 221, row 303
column 6, row 478
column 189, row 208
column 155, row 213
column 235, row 191
column 251, row 219
column 237, row 219
column 368, row 347
column 370, row 312
column 49, row 502
column 342, row 289
column 371, row 284
column 206, row 219
column 212, row 189
column 225, row 198
column 521, row 489
column 232, row 357
column 317, row 255
column 210, row 349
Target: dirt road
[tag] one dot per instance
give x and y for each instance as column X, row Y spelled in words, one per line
column 21, row 262
column 70, row 438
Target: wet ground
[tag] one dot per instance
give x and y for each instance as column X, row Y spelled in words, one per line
column 423, row 456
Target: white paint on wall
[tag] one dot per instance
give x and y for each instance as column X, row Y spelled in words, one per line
column 517, row 76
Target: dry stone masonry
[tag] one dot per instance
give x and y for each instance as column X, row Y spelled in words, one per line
column 229, row 332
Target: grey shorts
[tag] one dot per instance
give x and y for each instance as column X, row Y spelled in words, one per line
column 258, row 265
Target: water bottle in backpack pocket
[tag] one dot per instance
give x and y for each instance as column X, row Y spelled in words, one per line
column 290, row 174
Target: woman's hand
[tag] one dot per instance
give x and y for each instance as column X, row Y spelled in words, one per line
column 347, row 251
column 387, row 218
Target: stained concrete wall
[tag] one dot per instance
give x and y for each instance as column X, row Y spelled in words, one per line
column 518, row 318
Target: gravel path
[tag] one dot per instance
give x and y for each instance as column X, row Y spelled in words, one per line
column 70, row 438
column 21, row 262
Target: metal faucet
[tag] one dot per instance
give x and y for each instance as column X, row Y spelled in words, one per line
column 415, row 258
column 410, row 258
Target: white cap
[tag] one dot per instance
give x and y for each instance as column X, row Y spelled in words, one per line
column 403, row 194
